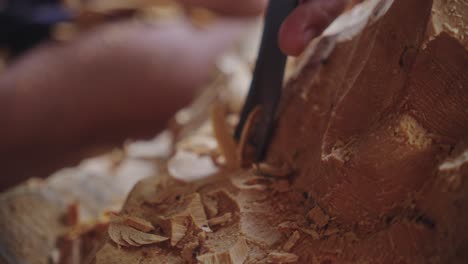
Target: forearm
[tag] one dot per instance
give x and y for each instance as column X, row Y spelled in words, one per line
column 116, row 83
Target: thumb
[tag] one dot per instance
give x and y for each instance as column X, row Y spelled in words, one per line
column 306, row 22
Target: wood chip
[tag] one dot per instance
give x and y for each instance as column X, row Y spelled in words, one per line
column 314, row 234
column 196, row 210
column 187, row 252
column 235, row 255
column 139, row 224
column 127, row 236
column 317, row 216
column 291, row 241
column 132, row 221
column 331, row 231
column 211, row 205
column 221, row 220
column 177, row 227
column 190, row 214
column 282, row 257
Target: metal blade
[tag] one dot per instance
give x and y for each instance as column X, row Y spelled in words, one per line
column 267, row 83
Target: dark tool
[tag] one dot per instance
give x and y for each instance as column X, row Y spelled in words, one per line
column 266, row 87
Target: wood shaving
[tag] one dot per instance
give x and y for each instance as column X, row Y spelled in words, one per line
column 265, row 169
column 221, row 220
column 314, row 234
column 226, row 143
column 226, row 203
column 187, row 252
column 132, row 221
column 177, row 223
column 281, row 257
column 245, row 152
column 177, row 227
column 291, row 241
column 199, row 144
column 317, row 216
column 235, row 255
column 351, row 236
column 127, row 236
column 249, row 183
column 211, row 205
column 196, row 210
column 139, row 224
column 331, row 231
column 188, row 166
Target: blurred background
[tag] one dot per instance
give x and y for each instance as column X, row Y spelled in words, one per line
column 79, row 77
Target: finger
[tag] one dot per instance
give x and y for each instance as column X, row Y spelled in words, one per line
column 306, row 22
column 229, row 7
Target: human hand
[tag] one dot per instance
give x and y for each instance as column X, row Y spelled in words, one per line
column 306, row 22
column 61, row 102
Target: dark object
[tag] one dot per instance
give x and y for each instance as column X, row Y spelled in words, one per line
column 267, row 83
column 26, row 23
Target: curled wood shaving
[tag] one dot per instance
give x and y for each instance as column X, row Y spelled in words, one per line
column 224, row 137
column 281, row 257
column 199, row 144
column 127, row 236
column 291, row 241
column 139, row 224
column 189, row 166
column 250, row 183
column 221, row 220
column 245, row 152
column 235, row 255
column 132, row 221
